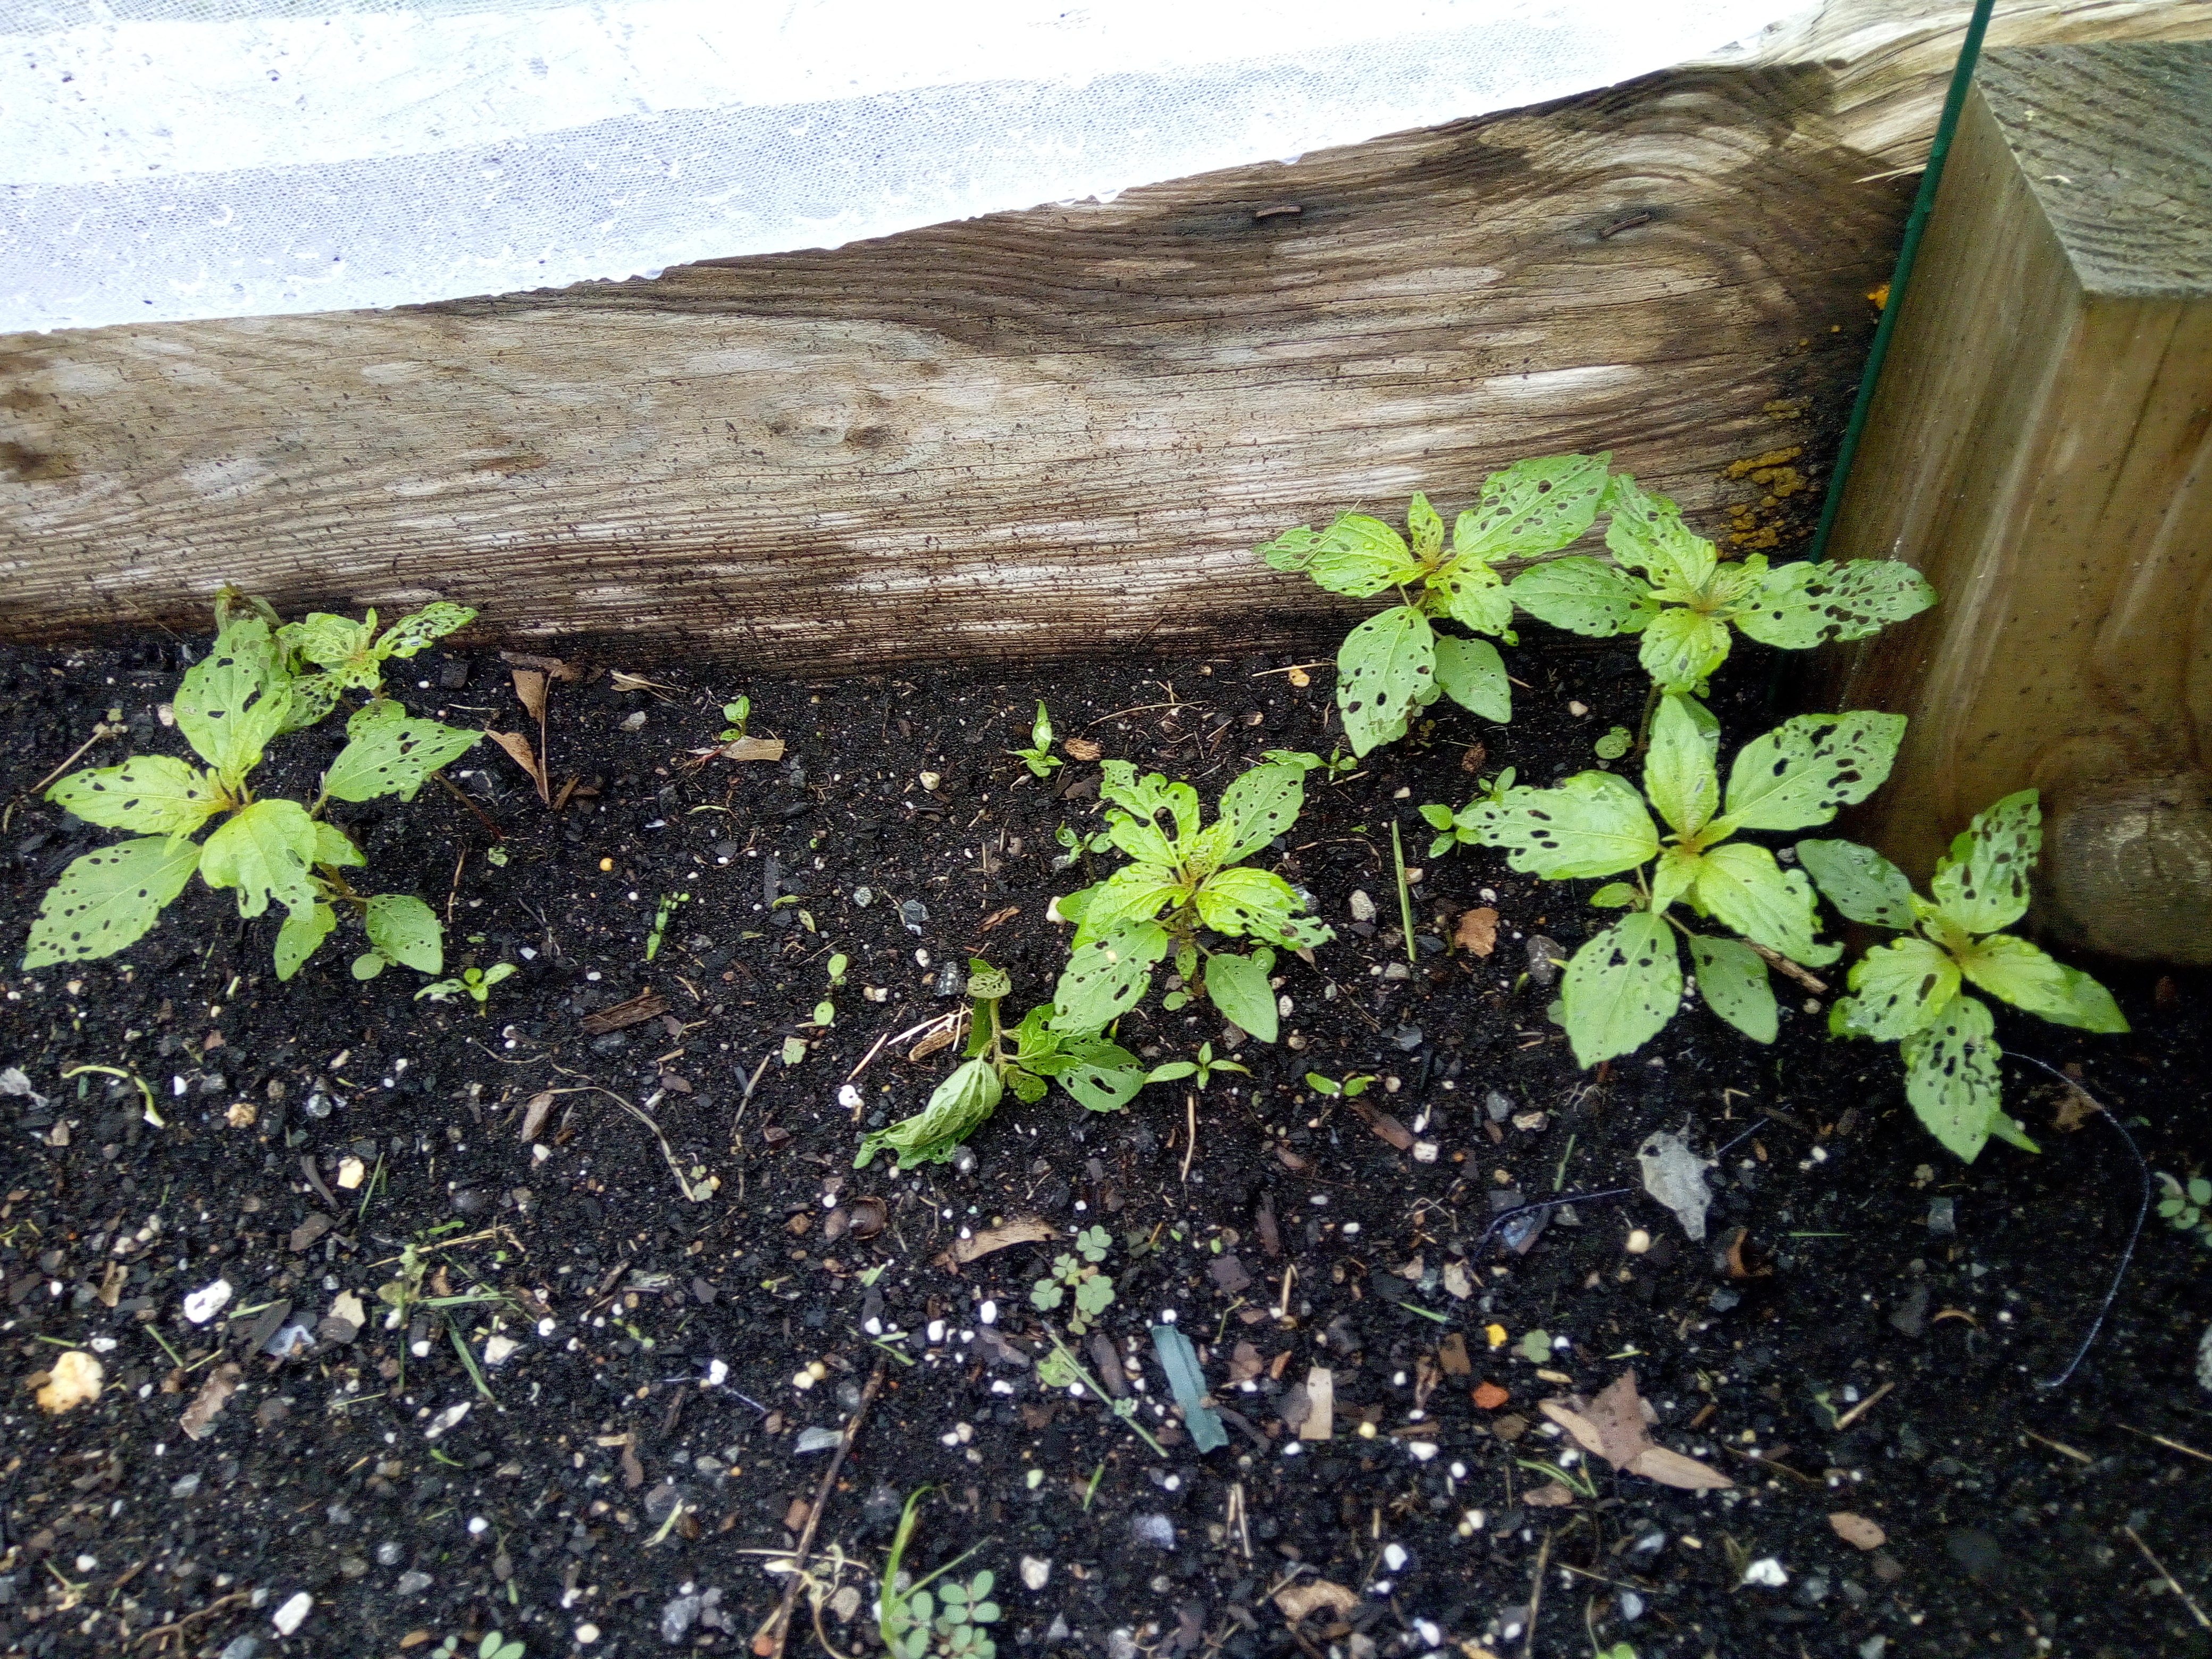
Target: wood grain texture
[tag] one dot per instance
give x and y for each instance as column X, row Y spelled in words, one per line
column 2041, row 446
column 1036, row 434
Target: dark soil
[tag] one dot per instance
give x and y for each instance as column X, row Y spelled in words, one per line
column 644, row 1451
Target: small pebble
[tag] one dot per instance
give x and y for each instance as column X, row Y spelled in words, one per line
column 587, row 1634
column 1638, row 1242
column 1035, row 1574
column 290, row 1617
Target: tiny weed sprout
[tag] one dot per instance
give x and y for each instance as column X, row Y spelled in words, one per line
column 1184, row 881
column 1911, row 991
column 1350, row 1089
column 1038, row 756
column 1077, row 1271
column 737, row 713
column 661, row 913
column 1200, row 1071
column 495, row 1645
column 2187, row 1206
column 1465, row 827
column 1623, row 985
column 474, row 982
column 254, row 685
column 1396, row 662
column 1671, row 585
column 914, row 1623
column 1614, row 744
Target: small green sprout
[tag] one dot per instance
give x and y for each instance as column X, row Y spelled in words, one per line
column 1038, row 756
column 737, row 713
column 2187, row 1207
column 667, row 908
column 1614, row 744
column 838, row 963
column 1201, row 1069
column 476, row 982
column 1353, row 1086
column 1465, row 828
column 914, row 1623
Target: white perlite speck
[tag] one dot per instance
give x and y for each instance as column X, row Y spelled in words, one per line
column 1035, row 1573
column 207, row 1301
column 1767, row 1571
column 293, row 1614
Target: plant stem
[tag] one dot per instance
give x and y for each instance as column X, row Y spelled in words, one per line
column 1405, row 893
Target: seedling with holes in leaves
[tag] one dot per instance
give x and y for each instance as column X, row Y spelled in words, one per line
column 1624, row 984
column 1184, row 883
column 1396, row 663
column 255, row 685
column 1464, row 828
column 1911, row 991
column 1038, row 756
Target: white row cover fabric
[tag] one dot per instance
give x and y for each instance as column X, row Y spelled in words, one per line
column 167, row 159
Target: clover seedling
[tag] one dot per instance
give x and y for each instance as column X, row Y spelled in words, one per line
column 1911, row 991
column 1670, row 585
column 1078, row 1271
column 231, row 705
column 1184, row 880
column 1396, row 663
column 1038, row 756
column 912, row 1623
column 1623, row 986
column 2187, row 1208
column 475, row 982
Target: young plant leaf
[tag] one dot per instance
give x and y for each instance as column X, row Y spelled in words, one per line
column 314, row 696
column 2016, row 971
column 956, row 1108
column 1681, row 647
column 390, row 752
column 1679, row 776
column 1732, row 979
column 106, row 900
column 1952, row 1076
column 1100, row 1086
column 1897, row 988
column 1585, row 595
column 1593, row 825
column 1385, row 670
column 153, row 794
column 432, row 622
column 1802, row 605
column 1741, row 883
column 1356, row 555
column 1427, row 527
column 338, row 644
column 1982, row 884
column 1147, row 797
column 1243, row 902
column 1647, row 534
column 406, row 930
column 301, row 936
column 234, row 699
column 1532, row 508
column 1135, row 892
column 1239, row 990
column 1259, row 805
column 334, row 847
column 1471, row 593
column 1472, row 675
column 1799, row 774
column 263, row 851
column 1861, row 883
column 1105, row 976
column 1622, row 988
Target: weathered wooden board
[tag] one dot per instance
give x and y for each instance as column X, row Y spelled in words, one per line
column 1039, row 433
column 2041, row 446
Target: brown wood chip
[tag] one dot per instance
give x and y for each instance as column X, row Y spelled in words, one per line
column 1025, row 1230
column 751, row 748
column 642, row 1006
column 1478, row 931
column 1388, row 1128
column 1452, row 1352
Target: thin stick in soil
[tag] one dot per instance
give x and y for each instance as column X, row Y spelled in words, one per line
column 2187, row 1600
column 769, row 1639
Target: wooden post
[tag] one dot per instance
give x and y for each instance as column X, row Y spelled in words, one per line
column 2041, row 446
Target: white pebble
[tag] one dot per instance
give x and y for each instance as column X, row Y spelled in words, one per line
column 1638, row 1242
column 1035, row 1573
column 207, row 1301
column 293, row 1614
column 988, row 1313
column 1394, row 1557
column 587, row 1634
column 1767, row 1571
column 849, row 1097
column 1422, row 1450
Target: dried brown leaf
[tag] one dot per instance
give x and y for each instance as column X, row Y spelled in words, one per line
column 1472, row 759
column 523, row 755
column 198, row 1421
column 1082, row 749
column 529, row 686
column 1245, row 1363
column 1478, row 931
column 751, row 748
column 1385, row 1127
column 1452, row 1352
column 998, row 916
column 1024, row 1230
column 1671, row 1468
column 553, row 665
column 1298, row 1602
column 1612, row 1426
column 535, row 1112
column 1857, row 1531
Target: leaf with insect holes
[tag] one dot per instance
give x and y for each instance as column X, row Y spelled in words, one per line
column 1105, row 976
column 106, row 900
column 1238, row 987
column 1532, row 508
column 1135, row 892
column 1799, row 774
column 1472, row 675
column 431, row 623
column 339, row 644
column 1585, row 595
column 1593, row 825
column 234, row 699
column 957, row 1108
column 406, row 930
column 1861, row 883
column 1385, row 670
column 1427, row 527
column 1470, row 592
column 334, row 847
column 301, row 936
column 1261, row 805
column 314, row 696
column 1681, row 647
column 1897, row 988
column 1647, row 534
column 1678, row 775
column 1147, row 797
column 1802, row 605
column 1952, row 1077
column 1101, row 1074
column 153, row 794
column 1257, row 904
column 1741, row 883
column 263, row 851
column 1357, row 556
column 1622, row 988
column 1732, row 979
column 2016, row 971
column 390, row 752
column 1982, row 884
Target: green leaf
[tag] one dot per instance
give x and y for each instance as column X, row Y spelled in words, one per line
column 337, row 643
column 1173, row 1071
column 1681, row 647
column 1622, row 988
column 369, row 965
column 314, row 696
column 1105, row 976
column 1647, row 533
column 1732, row 979
column 1952, row 1076
column 1615, row 744
column 1385, row 670
column 1614, row 895
column 1982, row 884
column 1799, row 774
column 1861, row 883
column 1256, row 903
column 1238, row 987
column 1678, row 775
column 1259, row 806
column 152, row 794
column 1356, row 555
column 1533, row 507
column 234, row 699
column 1741, row 884
column 106, row 900
column 956, row 1108
column 1471, row 593
column 301, row 936
column 1428, row 530
column 1593, row 825
column 1585, row 595
column 406, row 930
column 1101, row 1087
column 334, row 847
column 985, row 982
column 1898, row 988
column 432, row 622
column 389, row 752
column 2024, row 976
column 1134, row 893
column 263, row 851
column 1674, row 876
column 1802, row 605
column 1472, row 675
column 1148, row 796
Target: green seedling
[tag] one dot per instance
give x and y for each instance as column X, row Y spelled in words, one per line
column 495, row 1645
column 474, row 982
column 1465, row 827
column 1337, row 765
column 1184, row 882
column 1200, row 1069
column 661, row 913
column 252, row 687
column 1614, row 744
column 1623, row 985
column 1060, row 1369
column 1671, row 586
column 1396, row 663
column 839, row 963
column 1350, row 1089
column 1038, row 756
column 2187, row 1206
column 1080, row 846
column 737, row 713
column 1077, row 1271
column 1911, row 991
column 914, row 1623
